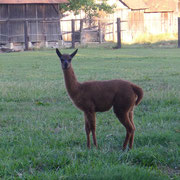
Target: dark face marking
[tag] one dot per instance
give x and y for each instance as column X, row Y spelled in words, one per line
column 66, row 59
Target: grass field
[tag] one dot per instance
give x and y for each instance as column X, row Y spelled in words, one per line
column 42, row 134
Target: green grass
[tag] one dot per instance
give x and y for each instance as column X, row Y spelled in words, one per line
column 42, row 134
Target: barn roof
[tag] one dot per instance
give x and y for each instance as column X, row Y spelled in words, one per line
column 33, row 1
column 134, row 4
column 160, row 5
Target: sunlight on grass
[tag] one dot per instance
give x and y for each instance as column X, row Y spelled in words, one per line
column 150, row 38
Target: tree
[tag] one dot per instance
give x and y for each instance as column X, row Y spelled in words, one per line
column 88, row 6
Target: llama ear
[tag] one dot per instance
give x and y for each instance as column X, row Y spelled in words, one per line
column 58, row 53
column 74, row 53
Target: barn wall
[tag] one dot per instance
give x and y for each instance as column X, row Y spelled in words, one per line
column 3, row 23
column 136, row 22
column 42, row 20
column 157, row 23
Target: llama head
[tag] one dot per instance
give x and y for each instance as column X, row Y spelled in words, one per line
column 66, row 59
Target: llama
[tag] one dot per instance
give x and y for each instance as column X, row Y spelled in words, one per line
column 99, row 96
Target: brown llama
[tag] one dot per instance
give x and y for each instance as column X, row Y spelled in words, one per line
column 99, row 96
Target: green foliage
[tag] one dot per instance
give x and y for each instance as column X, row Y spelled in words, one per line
column 88, row 6
column 42, row 134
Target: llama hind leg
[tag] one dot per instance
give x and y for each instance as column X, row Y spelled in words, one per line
column 129, row 129
column 125, row 120
column 131, row 141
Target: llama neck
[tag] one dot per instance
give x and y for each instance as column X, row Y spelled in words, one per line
column 71, row 82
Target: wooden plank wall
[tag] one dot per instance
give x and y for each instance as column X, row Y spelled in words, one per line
column 3, row 24
column 157, row 23
column 43, row 22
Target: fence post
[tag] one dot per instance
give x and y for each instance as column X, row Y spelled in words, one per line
column 100, row 32
column 81, row 30
column 114, row 30
column 73, row 32
column 26, row 38
column 118, row 33
column 178, row 32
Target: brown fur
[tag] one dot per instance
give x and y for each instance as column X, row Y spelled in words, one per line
column 99, row 96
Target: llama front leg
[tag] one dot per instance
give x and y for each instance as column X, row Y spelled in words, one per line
column 90, row 126
column 94, row 138
column 87, row 129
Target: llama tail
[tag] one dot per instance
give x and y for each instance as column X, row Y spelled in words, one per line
column 139, row 92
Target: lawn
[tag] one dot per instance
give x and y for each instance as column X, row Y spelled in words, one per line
column 42, row 133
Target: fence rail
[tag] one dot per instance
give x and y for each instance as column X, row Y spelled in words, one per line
column 86, row 30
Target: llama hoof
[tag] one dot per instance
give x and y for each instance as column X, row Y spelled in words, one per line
column 125, row 149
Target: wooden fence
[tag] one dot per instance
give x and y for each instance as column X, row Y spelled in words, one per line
column 103, row 30
column 73, row 31
column 85, row 31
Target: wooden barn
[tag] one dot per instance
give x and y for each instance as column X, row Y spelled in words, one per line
column 25, row 23
column 140, row 18
column 131, row 13
column 161, row 16
column 145, row 17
